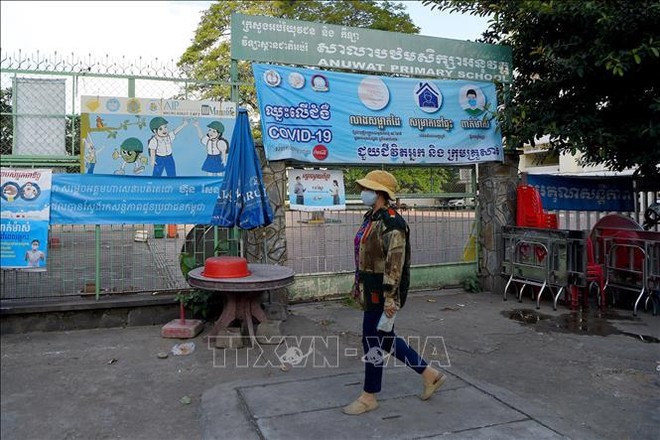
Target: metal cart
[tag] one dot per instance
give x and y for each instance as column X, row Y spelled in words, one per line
column 551, row 259
column 631, row 261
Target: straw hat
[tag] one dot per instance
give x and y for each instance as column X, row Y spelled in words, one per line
column 379, row 180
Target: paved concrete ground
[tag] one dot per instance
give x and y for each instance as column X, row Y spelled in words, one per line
column 567, row 375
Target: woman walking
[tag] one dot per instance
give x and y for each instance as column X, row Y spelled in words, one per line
column 380, row 253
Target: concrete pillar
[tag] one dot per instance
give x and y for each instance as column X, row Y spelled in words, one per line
column 497, row 204
column 267, row 245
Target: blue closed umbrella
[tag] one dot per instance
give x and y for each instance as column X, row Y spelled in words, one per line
column 242, row 201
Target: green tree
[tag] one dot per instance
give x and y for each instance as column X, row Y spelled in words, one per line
column 412, row 180
column 6, row 122
column 586, row 74
column 208, row 57
column 72, row 136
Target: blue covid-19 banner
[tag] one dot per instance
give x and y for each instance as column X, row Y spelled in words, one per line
column 327, row 117
column 105, row 200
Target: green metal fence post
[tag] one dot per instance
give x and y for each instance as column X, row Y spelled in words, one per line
column 14, row 117
column 131, row 87
column 234, row 247
column 74, row 91
column 216, row 239
column 97, row 279
column 477, row 216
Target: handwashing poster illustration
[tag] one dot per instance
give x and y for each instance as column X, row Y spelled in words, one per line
column 316, row 190
column 24, row 218
column 155, row 137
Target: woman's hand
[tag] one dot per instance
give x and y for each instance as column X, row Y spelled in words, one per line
column 390, row 311
column 390, row 307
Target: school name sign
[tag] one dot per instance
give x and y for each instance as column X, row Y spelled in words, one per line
column 277, row 40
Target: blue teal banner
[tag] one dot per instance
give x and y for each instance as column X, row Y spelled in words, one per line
column 25, row 213
column 90, row 199
column 584, row 193
column 327, row 117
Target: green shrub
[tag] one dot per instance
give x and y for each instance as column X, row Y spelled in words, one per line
column 471, row 284
column 197, row 301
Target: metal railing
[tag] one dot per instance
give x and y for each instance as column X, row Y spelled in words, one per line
column 438, row 235
column 91, row 259
column 95, row 260
column 40, row 102
column 119, row 258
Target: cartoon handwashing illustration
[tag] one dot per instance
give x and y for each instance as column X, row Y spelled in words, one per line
column 10, row 191
column 217, row 148
column 30, row 191
column 160, row 146
column 90, row 154
column 130, row 152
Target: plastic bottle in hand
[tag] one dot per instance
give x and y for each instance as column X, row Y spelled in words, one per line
column 386, row 324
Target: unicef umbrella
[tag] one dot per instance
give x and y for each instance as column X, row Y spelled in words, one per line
column 242, row 201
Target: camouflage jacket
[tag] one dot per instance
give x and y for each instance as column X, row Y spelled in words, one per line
column 381, row 258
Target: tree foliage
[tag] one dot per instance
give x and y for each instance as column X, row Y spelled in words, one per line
column 208, row 57
column 6, row 122
column 411, row 180
column 586, row 75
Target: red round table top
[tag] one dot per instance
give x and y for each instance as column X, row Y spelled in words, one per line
column 617, row 221
column 621, row 230
column 262, row 277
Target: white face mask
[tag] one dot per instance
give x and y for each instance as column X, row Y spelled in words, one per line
column 369, row 197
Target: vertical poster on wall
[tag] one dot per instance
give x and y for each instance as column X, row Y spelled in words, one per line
column 24, row 218
column 316, row 190
column 155, row 137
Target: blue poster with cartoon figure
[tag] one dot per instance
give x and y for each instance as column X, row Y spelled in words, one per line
column 24, row 218
column 155, row 137
column 325, row 117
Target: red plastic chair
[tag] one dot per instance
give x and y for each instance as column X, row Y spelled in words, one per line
column 595, row 275
column 550, row 221
column 623, row 255
column 529, row 212
column 595, row 279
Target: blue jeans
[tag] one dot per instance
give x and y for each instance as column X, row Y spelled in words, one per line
column 375, row 340
column 165, row 163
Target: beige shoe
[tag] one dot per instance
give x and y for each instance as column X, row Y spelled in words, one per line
column 431, row 388
column 358, row 407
